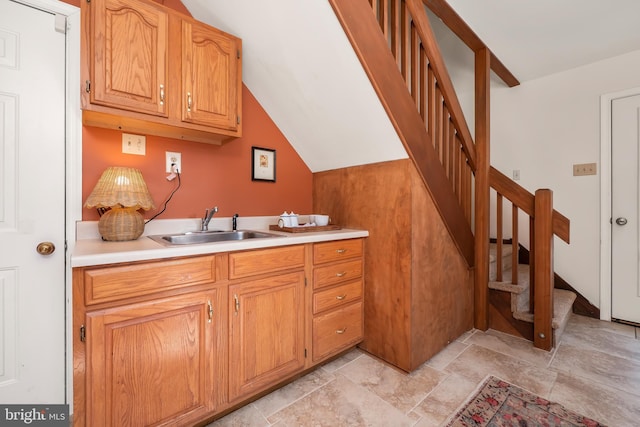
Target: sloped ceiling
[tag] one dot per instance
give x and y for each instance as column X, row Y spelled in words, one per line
column 300, row 66
column 535, row 38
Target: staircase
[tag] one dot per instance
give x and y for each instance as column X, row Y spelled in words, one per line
column 396, row 46
column 520, row 316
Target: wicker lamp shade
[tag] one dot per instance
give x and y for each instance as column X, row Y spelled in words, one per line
column 124, row 191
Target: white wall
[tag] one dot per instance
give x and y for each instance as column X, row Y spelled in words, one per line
column 300, row 66
column 542, row 128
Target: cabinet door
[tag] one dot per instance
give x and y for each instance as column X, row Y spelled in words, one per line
column 153, row 363
column 210, row 73
column 266, row 318
column 128, row 45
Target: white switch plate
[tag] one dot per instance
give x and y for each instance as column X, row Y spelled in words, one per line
column 134, row 144
column 173, row 158
column 583, row 169
column 516, row 174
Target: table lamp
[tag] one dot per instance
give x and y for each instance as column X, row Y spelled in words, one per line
column 124, row 191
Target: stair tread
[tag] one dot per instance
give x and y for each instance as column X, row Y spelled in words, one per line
column 562, row 308
column 507, row 250
column 507, row 286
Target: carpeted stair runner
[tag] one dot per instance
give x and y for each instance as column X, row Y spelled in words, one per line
column 562, row 299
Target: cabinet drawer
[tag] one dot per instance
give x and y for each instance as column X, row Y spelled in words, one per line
column 250, row 263
column 335, row 251
column 337, row 330
column 335, row 297
column 114, row 283
column 336, row 273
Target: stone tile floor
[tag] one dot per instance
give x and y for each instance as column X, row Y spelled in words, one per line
column 594, row 370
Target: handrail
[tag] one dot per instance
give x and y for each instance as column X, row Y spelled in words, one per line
column 526, row 201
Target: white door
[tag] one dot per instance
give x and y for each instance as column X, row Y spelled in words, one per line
column 625, row 196
column 32, row 206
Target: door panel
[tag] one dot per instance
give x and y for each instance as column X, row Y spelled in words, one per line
column 32, row 162
column 625, row 233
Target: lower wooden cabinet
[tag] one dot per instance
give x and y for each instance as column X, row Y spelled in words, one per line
column 266, row 324
column 154, row 363
column 173, row 342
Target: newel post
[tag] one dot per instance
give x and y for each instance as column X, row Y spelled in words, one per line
column 543, row 261
column 481, row 279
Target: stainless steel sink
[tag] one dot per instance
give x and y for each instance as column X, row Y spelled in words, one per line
column 195, row 238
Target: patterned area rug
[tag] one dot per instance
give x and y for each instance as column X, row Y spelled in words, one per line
column 499, row 403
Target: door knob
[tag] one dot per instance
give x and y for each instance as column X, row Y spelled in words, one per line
column 621, row 221
column 45, row 248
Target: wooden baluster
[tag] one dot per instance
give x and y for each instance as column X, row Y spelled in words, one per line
column 394, row 18
column 383, row 17
column 457, row 152
column 424, row 85
column 414, row 61
column 499, row 213
column 532, row 264
column 404, row 42
column 431, row 104
column 438, row 123
column 452, row 152
column 445, row 139
column 514, row 243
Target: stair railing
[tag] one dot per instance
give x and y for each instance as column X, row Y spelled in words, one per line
column 408, row 37
column 544, row 223
column 406, row 28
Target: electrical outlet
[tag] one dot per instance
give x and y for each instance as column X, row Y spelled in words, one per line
column 516, row 174
column 134, row 144
column 584, row 169
column 173, row 159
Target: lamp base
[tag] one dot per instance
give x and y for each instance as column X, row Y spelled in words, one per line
column 120, row 224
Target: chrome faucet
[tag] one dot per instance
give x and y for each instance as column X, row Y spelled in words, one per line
column 207, row 217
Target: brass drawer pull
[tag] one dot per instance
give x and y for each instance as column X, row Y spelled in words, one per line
column 161, row 94
column 341, row 274
column 341, row 297
column 341, row 251
column 341, row 331
column 210, row 311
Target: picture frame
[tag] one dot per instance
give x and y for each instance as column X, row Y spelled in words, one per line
column 263, row 164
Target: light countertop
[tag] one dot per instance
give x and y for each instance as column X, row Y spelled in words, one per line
column 90, row 249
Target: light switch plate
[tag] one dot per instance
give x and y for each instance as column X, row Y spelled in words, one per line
column 134, row 144
column 583, row 169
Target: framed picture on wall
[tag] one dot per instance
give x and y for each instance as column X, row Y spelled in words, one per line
column 263, row 164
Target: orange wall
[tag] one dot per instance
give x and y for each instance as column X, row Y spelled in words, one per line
column 213, row 175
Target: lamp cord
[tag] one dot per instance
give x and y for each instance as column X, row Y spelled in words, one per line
column 167, row 201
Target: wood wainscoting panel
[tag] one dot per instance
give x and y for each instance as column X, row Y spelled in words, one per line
column 442, row 288
column 377, row 198
column 418, row 293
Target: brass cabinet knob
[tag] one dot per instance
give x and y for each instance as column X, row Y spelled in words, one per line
column 45, row 248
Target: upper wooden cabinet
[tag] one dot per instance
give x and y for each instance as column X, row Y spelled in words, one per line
column 149, row 69
column 129, row 51
column 209, row 62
